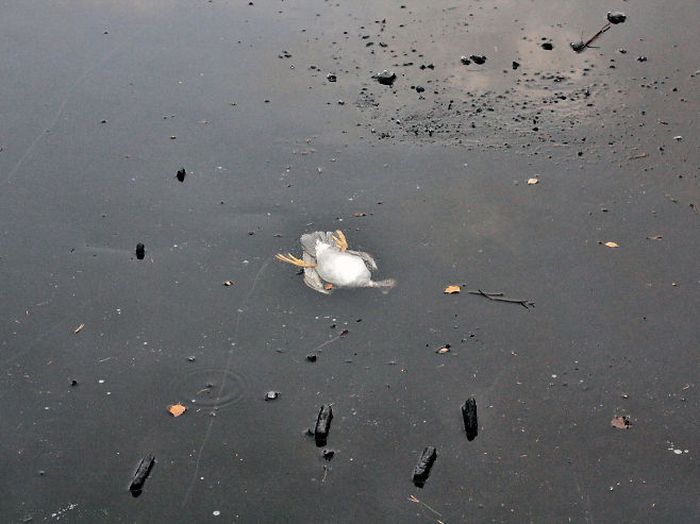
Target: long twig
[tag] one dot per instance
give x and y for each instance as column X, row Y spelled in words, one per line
column 498, row 297
column 582, row 46
column 415, row 500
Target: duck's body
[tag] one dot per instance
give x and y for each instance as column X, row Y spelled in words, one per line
column 329, row 264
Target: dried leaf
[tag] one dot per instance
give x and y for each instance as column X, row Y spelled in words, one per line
column 612, row 245
column 620, row 422
column 359, row 214
column 442, row 350
column 533, row 181
column 449, row 290
column 655, row 237
column 176, row 409
column 228, row 283
column 78, row 329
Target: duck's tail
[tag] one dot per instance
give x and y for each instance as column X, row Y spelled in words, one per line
column 387, row 283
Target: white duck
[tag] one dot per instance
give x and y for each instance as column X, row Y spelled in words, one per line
column 329, row 264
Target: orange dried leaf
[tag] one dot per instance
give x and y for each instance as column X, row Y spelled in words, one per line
column 612, row 245
column 444, row 349
column 176, row 409
column 533, row 181
column 620, row 422
column 449, row 290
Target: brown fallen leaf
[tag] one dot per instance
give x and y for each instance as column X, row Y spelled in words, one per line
column 444, row 349
column 78, row 329
column 176, row 409
column 533, row 181
column 612, row 245
column 655, row 237
column 449, row 290
column 228, row 283
column 621, row 422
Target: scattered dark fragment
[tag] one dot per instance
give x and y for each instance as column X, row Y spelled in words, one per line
column 641, row 59
column 328, row 454
column 73, row 382
column 323, row 425
column 181, row 175
column 331, row 77
column 471, row 424
column 516, row 65
column 478, row 59
column 465, row 60
column 140, row 251
column 311, row 358
column 142, row 472
column 386, row 78
column 420, row 89
column 547, row 46
column 271, row 395
column 422, row 470
column 616, row 17
column 344, row 332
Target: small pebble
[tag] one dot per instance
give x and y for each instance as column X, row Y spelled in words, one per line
column 616, row 17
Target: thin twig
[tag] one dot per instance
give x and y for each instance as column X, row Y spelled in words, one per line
column 498, row 297
column 597, row 35
column 580, row 47
column 415, row 499
column 484, row 294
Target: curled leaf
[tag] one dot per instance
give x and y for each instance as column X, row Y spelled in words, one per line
column 449, row 290
column 78, row 329
column 228, row 283
column 612, row 245
column 442, row 350
column 533, row 181
column 176, row 409
column 621, row 422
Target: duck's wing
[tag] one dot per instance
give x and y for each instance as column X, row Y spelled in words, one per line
column 366, row 257
column 311, row 277
column 308, row 241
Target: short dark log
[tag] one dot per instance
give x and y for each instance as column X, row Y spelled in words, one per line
column 422, row 470
column 471, row 424
column 142, row 472
column 323, row 425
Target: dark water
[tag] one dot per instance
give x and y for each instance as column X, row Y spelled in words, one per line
column 613, row 331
